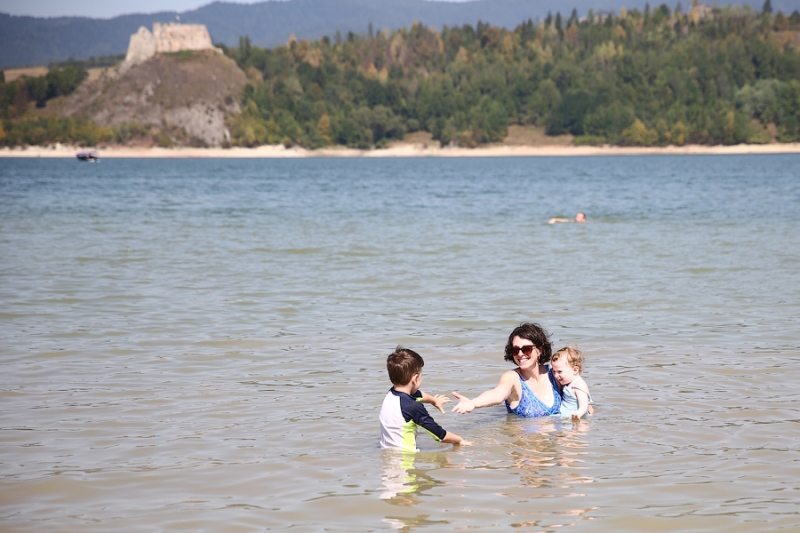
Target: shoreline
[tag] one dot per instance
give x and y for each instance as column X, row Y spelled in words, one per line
column 398, row 150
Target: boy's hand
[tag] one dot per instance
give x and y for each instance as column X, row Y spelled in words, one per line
column 438, row 400
column 576, row 418
column 464, row 405
column 463, row 443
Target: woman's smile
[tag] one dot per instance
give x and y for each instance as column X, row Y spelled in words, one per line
column 524, row 351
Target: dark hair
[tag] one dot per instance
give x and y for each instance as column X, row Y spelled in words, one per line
column 537, row 335
column 402, row 364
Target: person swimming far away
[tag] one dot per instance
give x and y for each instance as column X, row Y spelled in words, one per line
column 580, row 217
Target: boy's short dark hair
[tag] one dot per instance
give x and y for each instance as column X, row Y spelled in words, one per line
column 534, row 333
column 402, row 364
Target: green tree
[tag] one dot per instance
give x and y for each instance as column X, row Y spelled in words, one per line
column 609, row 122
column 569, row 116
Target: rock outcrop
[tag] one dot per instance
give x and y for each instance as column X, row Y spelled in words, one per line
column 166, row 38
column 189, row 95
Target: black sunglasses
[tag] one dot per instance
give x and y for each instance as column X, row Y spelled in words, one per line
column 526, row 350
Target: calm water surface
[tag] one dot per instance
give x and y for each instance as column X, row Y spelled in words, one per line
column 199, row 345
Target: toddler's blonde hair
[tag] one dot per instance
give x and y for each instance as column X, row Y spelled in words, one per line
column 573, row 356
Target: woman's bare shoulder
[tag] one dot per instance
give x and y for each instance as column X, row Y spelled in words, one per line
column 509, row 376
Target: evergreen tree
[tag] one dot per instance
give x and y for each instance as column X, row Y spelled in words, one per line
column 573, row 18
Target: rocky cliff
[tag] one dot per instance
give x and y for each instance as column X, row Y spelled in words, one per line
column 189, row 93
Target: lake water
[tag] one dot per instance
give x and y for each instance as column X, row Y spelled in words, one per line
column 199, row 345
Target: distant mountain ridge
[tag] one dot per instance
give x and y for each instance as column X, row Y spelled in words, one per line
column 26, row 41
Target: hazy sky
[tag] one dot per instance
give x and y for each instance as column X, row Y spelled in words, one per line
column 112, row 8
column 98, row 8
column 101, row 8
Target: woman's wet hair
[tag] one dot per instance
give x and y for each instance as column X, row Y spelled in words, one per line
column 402, row 364
column 534, row 333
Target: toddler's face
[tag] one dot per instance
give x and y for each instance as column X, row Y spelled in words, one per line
column 563, row 372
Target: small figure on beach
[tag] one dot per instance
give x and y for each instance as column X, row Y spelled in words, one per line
column 402, row 411
column 580, row 217
column 567, row 364
column 530, row 390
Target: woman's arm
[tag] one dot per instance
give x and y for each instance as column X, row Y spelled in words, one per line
column 491, row 397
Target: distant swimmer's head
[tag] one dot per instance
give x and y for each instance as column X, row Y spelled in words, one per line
column 580, row 217
column 404, row 365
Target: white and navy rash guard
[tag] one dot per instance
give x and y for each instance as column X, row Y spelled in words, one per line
column 401, row 415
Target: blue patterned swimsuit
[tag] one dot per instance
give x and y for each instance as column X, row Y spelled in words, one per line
column 530, row 406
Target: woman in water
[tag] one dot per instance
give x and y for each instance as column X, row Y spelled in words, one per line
column 530, row 390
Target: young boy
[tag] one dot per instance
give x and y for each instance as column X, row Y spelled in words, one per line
column 567, row 364
column 402, row 412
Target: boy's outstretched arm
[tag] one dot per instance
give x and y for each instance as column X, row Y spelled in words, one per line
column 437, row 401
column 452, row 438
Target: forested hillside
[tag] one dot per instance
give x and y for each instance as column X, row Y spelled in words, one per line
column 29, row 41
column 649, row 77
column 642, row 78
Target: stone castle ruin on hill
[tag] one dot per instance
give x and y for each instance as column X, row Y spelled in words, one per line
column 166, row 38
column 185, row 99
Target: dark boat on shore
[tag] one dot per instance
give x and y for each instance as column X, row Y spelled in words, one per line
column 89, row 155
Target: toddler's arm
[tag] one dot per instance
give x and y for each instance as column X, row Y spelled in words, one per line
column 582, row 393
column 437, row 401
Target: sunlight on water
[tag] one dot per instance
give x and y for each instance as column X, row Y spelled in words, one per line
column 200, row 345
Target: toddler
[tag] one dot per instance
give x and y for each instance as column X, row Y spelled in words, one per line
column 567, row 364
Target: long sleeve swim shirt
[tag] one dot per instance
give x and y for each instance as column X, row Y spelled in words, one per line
column 401, row 415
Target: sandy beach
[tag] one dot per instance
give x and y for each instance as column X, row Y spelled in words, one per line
column 397, row 150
